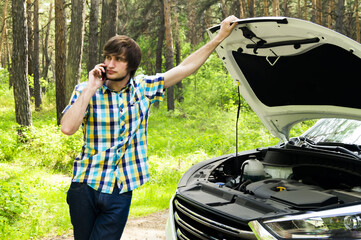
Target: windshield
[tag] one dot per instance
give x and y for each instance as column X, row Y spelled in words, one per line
column 333, row 130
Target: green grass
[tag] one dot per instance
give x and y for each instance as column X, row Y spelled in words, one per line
column 32, row 202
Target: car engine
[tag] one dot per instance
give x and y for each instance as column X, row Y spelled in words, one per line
column 297, row 178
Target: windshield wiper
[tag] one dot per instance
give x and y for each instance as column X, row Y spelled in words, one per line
column 351, row 147
column 330, row 146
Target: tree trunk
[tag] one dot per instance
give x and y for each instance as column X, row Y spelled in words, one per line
column 8, row 57
column 46, row 44
column 251, row 7
column 60, row 57
column 75, row 47
column 299, row 13
column 159, row 53
column 19, row 63
column 285, row 7
column 316, row 12
column 305, row 9
column 3, row 30
column 265, row 6
column 192, row 35
column 30, row 36
column 313, row 15
column 179, row 92
column 357, row 22
column 208, row 18
column 319, row 12
column 242, row 9
column 276, row 8
column 93, row 35
column 124, row 14
column 331, row 8
column 169, row 51
column 30, row 43
column 108, row 27
column 224, row 9
column 339, row 15
column 53, row 70
column 37, row 87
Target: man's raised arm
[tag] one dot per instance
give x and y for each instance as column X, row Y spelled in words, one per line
column 196, row 59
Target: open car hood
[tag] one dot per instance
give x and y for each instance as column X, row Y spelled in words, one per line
column 290, row 70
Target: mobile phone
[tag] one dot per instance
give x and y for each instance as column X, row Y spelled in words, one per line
column 104, row 74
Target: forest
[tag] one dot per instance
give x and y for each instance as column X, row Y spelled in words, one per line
column 66, row 37
column 47, row 47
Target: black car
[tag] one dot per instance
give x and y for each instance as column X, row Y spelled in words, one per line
column 306, row 187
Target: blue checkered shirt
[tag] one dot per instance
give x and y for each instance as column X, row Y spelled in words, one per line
column 115, row 135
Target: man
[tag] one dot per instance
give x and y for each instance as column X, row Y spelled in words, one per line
column 113, row 111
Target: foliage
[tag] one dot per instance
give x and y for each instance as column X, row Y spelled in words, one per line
column 56, row 149
column 13, row 201
column 4, row 77
column 301, row 127
column 43, row 82
column 32, row 202
column 212, row 85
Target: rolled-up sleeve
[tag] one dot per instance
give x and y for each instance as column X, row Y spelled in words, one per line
column 154, row 87
column 76, row 93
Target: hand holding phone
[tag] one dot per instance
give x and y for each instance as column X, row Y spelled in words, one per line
column 104, row 74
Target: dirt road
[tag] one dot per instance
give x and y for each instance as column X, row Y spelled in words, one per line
column 150, row 227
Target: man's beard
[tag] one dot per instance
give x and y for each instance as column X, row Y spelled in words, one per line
column 119, row 79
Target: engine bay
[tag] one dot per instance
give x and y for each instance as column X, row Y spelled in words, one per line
column 299, row 179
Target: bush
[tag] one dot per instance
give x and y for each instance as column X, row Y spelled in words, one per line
column 47, row 147
column 4, row 77
column 32, row 202
column 14, row 201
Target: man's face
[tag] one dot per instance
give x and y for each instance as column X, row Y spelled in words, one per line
column 117, row 66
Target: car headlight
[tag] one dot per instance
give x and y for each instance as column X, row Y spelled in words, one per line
column 342, row 222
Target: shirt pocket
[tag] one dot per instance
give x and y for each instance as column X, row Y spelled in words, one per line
column 135, row 113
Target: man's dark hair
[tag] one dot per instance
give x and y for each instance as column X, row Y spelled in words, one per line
column 128, row 48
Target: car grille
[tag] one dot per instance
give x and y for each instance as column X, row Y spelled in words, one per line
column 194, row 223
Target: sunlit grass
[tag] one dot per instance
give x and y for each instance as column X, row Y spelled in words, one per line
column 38, row 200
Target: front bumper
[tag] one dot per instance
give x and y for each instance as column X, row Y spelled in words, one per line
column 187, row 221
column 170, row 230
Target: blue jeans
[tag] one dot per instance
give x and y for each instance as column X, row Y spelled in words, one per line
column 97, row 215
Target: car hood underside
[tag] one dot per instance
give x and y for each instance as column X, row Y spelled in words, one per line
column 290, row 70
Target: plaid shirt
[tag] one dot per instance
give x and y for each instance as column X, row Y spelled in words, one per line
column 115, row 135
